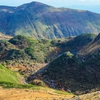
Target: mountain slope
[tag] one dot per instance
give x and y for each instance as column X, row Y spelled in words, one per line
column 7, row 75
column 22, row 52
column 44, row 50
column 42, row 21
column 71, row 73
column 77, row 43
column 92, row 47
column 77, row 73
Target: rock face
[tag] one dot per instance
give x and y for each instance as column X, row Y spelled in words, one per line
column 42, row 21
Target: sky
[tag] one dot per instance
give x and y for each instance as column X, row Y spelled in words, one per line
column 92, row 5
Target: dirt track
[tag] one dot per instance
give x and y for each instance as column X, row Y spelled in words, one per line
column 25, row 94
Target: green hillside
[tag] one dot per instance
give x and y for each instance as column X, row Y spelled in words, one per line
column 72, row 72
column 21, row 48
column 24, row 53
column 26, row 48
column 7, row 75
column 76, row 73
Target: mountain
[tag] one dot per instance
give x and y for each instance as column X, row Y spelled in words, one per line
column 71, row 73
column 64, row 70
column 23, row 48
column 78, row 73
column 91, row 48
column 21, row 52
column 44, row 50
column 76, row 43
column 42, row 21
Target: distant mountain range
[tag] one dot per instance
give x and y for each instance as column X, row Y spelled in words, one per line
column 42, row 21
column 93, row 8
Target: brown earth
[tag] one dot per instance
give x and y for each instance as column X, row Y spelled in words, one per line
column 47, row 94
column 91, row 96
column 88, row 96
column 4, row 37
column 25, row 94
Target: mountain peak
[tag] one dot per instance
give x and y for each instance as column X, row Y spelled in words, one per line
column 36, row 3
column 33, row 5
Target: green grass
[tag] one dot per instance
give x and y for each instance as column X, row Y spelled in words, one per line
column 7, row 75
column 20, row 86
column 8, row 79
column 32, row 87
column 61, row 92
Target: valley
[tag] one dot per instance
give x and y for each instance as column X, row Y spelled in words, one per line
column 35, row 70
column 49, row 53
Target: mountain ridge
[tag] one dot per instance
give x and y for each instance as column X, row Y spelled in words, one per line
column 43, row 21
column 91, row 48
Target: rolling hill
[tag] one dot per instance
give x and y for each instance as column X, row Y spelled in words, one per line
column 11, row 89
column 70, row 73
column 91, row 48
column 64, row 70
column 75, row 44
column 28, row 55
column 76, row 73
column 43, row 21
column 42, row 51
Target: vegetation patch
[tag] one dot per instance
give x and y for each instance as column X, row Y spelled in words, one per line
column 7, row 76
